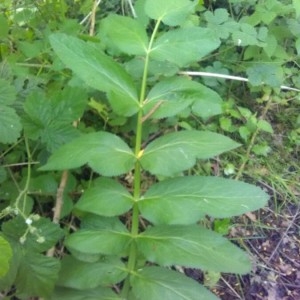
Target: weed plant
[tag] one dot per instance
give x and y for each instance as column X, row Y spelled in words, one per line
column 112, row 134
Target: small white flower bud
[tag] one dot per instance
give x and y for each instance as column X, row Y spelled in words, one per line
column 35, row 217
column 22, row 239
column 229, row 170
column 28, row 221
column 40, row 239
column 32, row 229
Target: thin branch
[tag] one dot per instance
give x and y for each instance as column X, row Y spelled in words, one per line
column 285, row 234
column 132, row 8
column 152, row 111
column 34, row 65
column 253, row 139
column 89, row 14
column 58, row 205
column 93, row 18
column 59, row 197
column 23, row 193
column 224, row 76
column 231, row 288
column 21, row 164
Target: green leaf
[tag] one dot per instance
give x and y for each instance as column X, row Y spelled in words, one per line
column 3, row 174
column 106, row 198
column 246, row 36
column 297, row 45
column 265, row 126
column 185, row 200
column 51, row 119
column 31, row 50
column 10, row 125
column 153, row 283
column 178, row 151
column 261, row 149
column 125, row 33
column 39, row 110
column 211, row 279
column 265, row 73
column 68, row 105
column 192, row 246
column 5, row 256
column 104, row 241
column 296, row 5
column 43, row 184
column 95, row 222
column 37, row 275
column 141, row 17
column 50, row 231
column 14, row 228
column 121, row 104
column 17, row 255
column 7, row 93
column 218, row 16
column 159, row 68
column 216, row 67
column 171, row 12
column 245, row 112
column 222, row 226
column 105, row 153
column 156, row 68
column 98, row 71
column 53, row 136
column 85, row 257
column 9, row 120
column 244, row 133
column 82, row 275
column 92, row 222
column 170, row 96
column 184, row 46
column 226, row 124
column 208, row 104
column 89, row 294
column 271, row 45
column 58, row 134
column 4, row 27
column 219, row 22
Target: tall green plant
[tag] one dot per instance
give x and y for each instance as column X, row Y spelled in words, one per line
column 162, row 225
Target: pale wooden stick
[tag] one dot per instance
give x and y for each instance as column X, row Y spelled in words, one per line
column 224, row 76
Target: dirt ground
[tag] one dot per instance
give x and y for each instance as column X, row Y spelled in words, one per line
column 273, row 243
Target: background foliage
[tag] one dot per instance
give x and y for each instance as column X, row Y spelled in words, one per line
column 44, row 106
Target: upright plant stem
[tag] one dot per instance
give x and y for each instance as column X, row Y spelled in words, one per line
column 23, row 193
column 253, row 139
column 58, row 204
column 138, row 139
column 137, row 170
